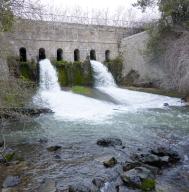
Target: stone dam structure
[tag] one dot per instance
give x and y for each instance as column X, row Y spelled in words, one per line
column 31, row 41
column 68, row 41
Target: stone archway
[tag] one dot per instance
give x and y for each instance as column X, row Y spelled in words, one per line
column 23, row 54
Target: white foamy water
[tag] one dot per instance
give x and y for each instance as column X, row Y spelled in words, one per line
column 67, row 105
column 133, row 99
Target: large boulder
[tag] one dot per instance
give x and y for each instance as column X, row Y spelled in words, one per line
column 153, row 160
column 162, row 152
column 139, row 178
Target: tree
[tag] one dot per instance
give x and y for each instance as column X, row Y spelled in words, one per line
column 177, row 9
column 9, row 9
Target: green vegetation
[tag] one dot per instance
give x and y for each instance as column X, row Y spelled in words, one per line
column 157, row 34
column 76, row 73
column 173, row 12
column 148, row 185
column 9, row 156
column 26, row 71
column 115, row 66
column 21, row 86
column 6, row 16
column 81, row 90
column 176, row 9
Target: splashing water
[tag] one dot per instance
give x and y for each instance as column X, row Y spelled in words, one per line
column 67, row 105
column 104, row 82
column 103, row 78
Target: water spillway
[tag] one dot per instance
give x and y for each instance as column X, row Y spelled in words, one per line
column 80, row 160
column 65, row 104
column 104, row 82
column 70, row 106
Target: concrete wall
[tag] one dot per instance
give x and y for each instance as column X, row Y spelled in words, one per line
column 133, row 51
column 51, row 36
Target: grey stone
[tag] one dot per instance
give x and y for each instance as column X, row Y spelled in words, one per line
column 106, row 142
column 110, row 163
column 162, row 151
column 135, row 177
column 54, row 148
column 11, row 181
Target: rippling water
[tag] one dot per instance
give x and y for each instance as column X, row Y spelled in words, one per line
column 139, row 119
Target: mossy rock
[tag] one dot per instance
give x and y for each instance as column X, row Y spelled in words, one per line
column 9, row 156
column 115, row 66
column 148, row 185
column 70, row 74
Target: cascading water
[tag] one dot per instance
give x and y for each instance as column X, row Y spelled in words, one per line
column 104, row 82
column 67, row 105
column 48, row 77
column 103, row 78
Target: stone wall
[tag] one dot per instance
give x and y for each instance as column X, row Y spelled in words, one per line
column 169, row 71
column 68, row 37
column 135, row 59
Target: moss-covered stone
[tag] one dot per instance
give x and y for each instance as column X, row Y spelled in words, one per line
column 148, row 185
column 24, row 70
column 115, row 66
column 76, row 73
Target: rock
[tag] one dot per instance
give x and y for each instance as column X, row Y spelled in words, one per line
column 54, row 148
column 110, row 163
column 1, row 143
column 14, row 113
column 57, row 157
column 154, row 160
column 48, row 186
column 11, row 181
column 79, row 188
column 162, row 151
column 140, row 178
column 43, row 140
column 106, row 142
column 2, row 160
column 166, row 104
column 98, row 182
column 131, row 165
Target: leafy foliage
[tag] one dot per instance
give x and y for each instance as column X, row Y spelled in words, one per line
column 177, row 9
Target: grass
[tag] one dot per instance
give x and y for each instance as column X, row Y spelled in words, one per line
column 81, row 90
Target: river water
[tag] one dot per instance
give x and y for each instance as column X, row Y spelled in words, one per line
column 140, row 119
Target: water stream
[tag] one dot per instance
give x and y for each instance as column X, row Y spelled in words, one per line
column 139, row 119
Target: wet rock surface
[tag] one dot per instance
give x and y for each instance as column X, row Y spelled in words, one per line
column 107, row 142
column 14, row 113
column 138, row 178
column 124, row 174
column 110, row 163
column 11, row 181
column 54, row 148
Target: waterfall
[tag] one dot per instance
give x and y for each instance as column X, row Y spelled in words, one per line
column 103, row 78
column 104, row 82
column 48, row 76
column 65, row 104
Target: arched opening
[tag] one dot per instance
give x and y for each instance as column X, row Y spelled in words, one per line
column 92, row 55
column 59, row 54
column 42, row 54
column 76, row 55
column 23, row 55
column 107, row 55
